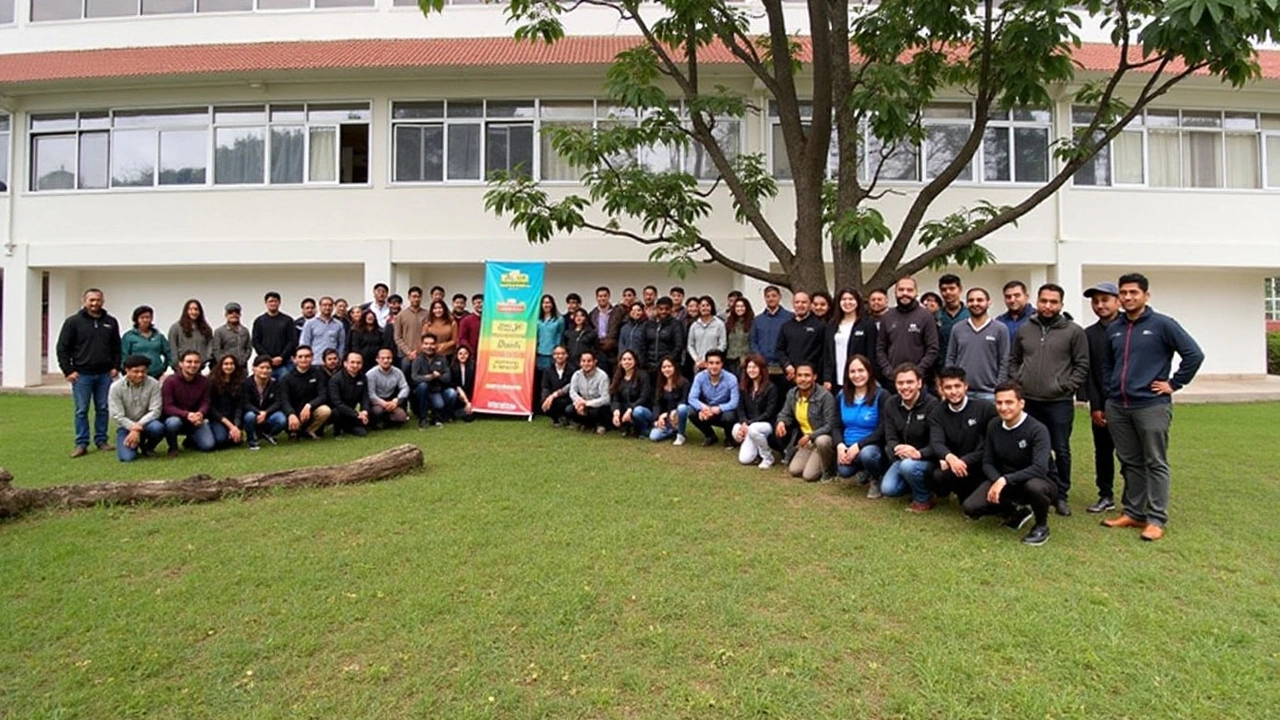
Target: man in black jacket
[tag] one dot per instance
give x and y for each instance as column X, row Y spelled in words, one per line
column 432, row 383
column 1104, row 298
column 907, row 440
column 89, row 356
column 555, row 400
column 349, row 393
column 1015, row 460
column 958, row 433
column 802, row 340
column 1049, row 359
column 304, row 397
column 664, row 334
column 908, row 334
column 274, row 335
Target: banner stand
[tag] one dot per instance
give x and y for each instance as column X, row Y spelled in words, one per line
column 507, row 355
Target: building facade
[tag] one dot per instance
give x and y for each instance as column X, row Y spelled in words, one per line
column 166, row 149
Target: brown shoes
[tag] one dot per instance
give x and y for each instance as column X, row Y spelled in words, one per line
column 106, row 447
column 1153, row 532
column 1124, row 521
column 80, row 451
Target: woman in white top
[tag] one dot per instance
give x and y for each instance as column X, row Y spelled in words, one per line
column 852, row 332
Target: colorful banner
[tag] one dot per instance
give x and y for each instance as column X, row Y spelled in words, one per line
column 508, row 338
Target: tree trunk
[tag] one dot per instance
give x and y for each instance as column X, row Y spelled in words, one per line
column 202, row 488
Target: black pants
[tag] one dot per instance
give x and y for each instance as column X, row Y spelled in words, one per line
column 560, row 406
column 349, row 426
column 725, row 421
column 1059, row 417
column 591, row 417
column 1038, row 494
column 1104, row 461
column 944, row 482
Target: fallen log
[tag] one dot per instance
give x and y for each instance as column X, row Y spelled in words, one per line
column 204, row 488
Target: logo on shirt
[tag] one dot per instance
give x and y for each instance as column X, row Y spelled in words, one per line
column 1022, row 444
column 913, row 328
column 991, row 338
column 920, row 416
column 859, row 333
column 1147, row 332
column 972, row 422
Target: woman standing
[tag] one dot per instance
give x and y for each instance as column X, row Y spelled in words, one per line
column 631, row 395
column 821, row 305
column 191, row 332
column 760, row 405
column 861, row 406
column 550, row 332
column 631, row 336
column 707, row 333
column 444, row 326
column 672, row 412
column 366, row 338
column 226, row 401
column 738, row 331
column 580, row 337
column 852, row 332
column 144, row 339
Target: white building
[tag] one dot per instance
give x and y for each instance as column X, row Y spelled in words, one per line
column 165, row 149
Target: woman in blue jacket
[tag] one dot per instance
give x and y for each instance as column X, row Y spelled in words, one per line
column 860, row 405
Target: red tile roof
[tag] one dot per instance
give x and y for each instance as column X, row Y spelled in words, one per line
column 382, row 54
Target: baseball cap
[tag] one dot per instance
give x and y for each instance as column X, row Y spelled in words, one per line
column 232, row 307
column 1103, row 288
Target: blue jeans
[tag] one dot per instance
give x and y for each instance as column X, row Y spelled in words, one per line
column 870, row 458
column 904, row 475
column 279, row 372
column 152, row 434
column 275, row 424
column 682, row 419
column 202, row 436
column 221, row 435
column 91, row 387
column 979, row 395
column 641, row 420
column 440, row 402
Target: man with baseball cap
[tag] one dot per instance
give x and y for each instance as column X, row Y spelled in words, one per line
column 232, row 338
column 1104, row 298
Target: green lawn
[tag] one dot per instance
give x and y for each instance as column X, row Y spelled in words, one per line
column 532, row 573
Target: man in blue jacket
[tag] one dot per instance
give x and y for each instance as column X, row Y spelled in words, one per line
column 1140, row 347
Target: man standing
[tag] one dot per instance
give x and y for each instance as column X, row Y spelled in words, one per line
column 907, row 441
column 802, row 339
column 304, row 396
column 980, row 346
column 308, row 308
column 677, row 302
column 1139, row 406
column 185, row 403
column 232, row 338
column 767, row 327
column 1015, row 460
column 664, row 335
column 649, row 295
column 89, row 355
column 408, row 327
column 809, row 416
column 388, row 392
column 908, row 334
column 432, row 383
column 878, row 304
column 469, row 326
column 957, row 434
column 459, row 306
column 607, row 320
column 589, row 395
column 324, row 331
column 379, row 305
column 1049, row 359
column 1018, row 305
column 135, row 405
column 714, row 397
column 1104, row 299
column 274, row 335
column 952, row 312
column 349, row 394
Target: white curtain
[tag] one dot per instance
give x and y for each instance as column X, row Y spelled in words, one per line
column 1162, row 149
column 1273, row 161
column 323, row 154
column 1244, row 167
column 555, row 167
column 1202, row 159
column 1126, row 152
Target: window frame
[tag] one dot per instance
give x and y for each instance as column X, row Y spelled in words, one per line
column 6, row 153
column 255, row 7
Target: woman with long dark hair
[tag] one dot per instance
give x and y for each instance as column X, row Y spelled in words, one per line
column 442, row 324
column 366, row 338
column 580, row 337
column 821, row 304
column 671, row 411
column 738, row 331
column 226, row 401
column 861, row 406
column 852, row 332
column 758, row 410
column 191, row 332
column 631, row 394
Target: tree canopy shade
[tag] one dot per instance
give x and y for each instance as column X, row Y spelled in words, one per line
column 850, row 97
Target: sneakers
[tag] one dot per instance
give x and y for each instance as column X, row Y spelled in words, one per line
column 862, row 477
column 873, row 491
column 1104, row 504
column 422, row 423
column 680, row 440
column 254, row 445
column 766, row 460
column 1019, row 518
column 1152, row 532
column 920, row 507
column 270, row 440
column 729, row 444
column 600, row 430
column 709, row 441
column 1062, row 508
column 1038, row 536
column 1124, row 521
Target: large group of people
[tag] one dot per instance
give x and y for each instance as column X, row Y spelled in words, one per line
column 905, row 399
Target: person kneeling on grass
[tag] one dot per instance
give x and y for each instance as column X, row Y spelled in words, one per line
column 226, row 401
column 906, row 433
column 760, row 405
column 1015, row 460
column 672, row 407
column 862, row 405
column 134, row 403
column 631, row 394
column 714, row 398
column 185, row 396
column 463, row 372
column 958, row 434
column 388, row 392
column 432, row 384
column 555, row 387
column 589, row 395
column 304, row 396
column 349, row 393
column 808, row 418
column 263, row 416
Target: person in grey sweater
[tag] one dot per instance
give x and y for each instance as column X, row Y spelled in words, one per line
column 134, row 404
column 589, row 395
column 980, row 345
column 705, row 334
column 190, row 333
column 388, row 392
column 232, row 338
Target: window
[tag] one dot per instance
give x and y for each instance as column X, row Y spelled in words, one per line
column 7, row 9
column 947, row 126
column 1015, row 146
column 44, row 10
column 1184, row 149
column 440, row 141
column 1272, row 298
column 4, row 153
column 243, row 145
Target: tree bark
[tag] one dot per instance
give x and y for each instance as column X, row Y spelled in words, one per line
column 203, row 488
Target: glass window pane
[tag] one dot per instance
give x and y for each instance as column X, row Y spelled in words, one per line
column 161, row 118
column 405, row 3
column 465, row 109
column 1096, row 172
column 417, row 110
column 1241, row 121
column 322, row 156
column 133, row 158
column 110, row 8
column 343, row 3
column 94, row 167
column 948, row 111
column 42, row 10
column 781, row 163
column 1202, row 160
column 284, row 4
column 1162, row 118
column 1201, row 119
column 1082, row 114
column 62, row 121
column 288, row 113
column 247, row 115
column 419, row 151
column 1126, row 151
column 7, row 8
column 288, row 154
column 53, row 162
column 206, row 6
column 567, row 109
column 4, row 123
column 554, row 166
column 238, row 155
column 464, row 151
column 509, row 147
column 1273, row 161
column 1031, row 152
column 184, row 157
column 433, row 153
column 95, row 120
column 728, row 134
column 166, row 7
column 902, row 164
column 1164, row 158
column 4, row 160
column 944, row 143
column 1244, row 166
column 1035, row 115
column 338, row 112
column 995, row 154
column 510, row 108
column 1271, row 122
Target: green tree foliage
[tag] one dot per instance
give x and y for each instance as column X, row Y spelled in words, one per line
column 867, row 72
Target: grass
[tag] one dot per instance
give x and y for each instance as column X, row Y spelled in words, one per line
column 532, row 573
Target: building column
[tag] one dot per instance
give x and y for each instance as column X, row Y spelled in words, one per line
column 22, row 321
column 63, row 300
column 1070, row 275
column 403, row 281
column 377, row 267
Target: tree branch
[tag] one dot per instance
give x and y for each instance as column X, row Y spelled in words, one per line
column 773, row 278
